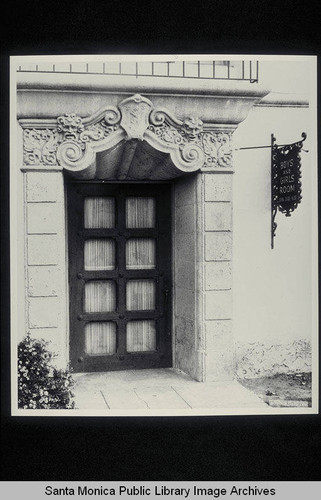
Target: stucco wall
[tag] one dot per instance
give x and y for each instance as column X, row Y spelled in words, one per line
column 258, row 359
column 273, row 288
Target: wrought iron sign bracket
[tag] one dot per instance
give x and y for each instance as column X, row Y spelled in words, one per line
column 285, row 179
column 274, row 204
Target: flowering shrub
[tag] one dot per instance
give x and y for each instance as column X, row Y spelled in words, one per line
column 40, row 384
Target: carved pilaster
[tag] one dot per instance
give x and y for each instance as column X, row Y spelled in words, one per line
column 40, row 146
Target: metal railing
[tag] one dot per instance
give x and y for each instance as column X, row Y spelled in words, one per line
column 247, row 70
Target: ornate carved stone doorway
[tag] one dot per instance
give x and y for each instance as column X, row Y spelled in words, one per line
column 134, row 142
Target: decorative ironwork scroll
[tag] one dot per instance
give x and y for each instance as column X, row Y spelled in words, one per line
column 285, row 179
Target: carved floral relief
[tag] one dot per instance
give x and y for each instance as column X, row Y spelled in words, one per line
column 40, row 146
column 190, row 142
column 68, row 140
column 216, row 146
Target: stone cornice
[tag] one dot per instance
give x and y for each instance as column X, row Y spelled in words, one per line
column 142, row 84
column 72, row 142
column 286, row 100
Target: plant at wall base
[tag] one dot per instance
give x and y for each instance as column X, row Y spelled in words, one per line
column 40, row 384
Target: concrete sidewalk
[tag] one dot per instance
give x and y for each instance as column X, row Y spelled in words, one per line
column 158, row 389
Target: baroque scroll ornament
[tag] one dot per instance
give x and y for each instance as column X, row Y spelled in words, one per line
column 67, row 142
column 215, row 146
column 73, row 142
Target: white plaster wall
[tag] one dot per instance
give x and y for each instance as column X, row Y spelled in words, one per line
column 272, row 288
column 286, row 75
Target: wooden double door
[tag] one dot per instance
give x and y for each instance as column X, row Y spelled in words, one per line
column 119, row 276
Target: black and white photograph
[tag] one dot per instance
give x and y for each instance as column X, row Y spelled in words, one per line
column 163, row 222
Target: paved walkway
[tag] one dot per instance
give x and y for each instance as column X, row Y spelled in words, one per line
column 158, row 389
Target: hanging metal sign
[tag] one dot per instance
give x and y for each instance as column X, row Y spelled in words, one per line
column 285, row 179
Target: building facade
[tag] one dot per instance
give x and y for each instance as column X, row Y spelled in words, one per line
column 124, row 248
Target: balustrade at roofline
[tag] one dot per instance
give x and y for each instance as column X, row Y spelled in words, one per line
column 169, row 146
column 217, row 69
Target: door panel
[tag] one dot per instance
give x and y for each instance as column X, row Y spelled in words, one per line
column 100, row 296
column 141, row 336
column 140, row 295
column 140, row 253
column 99, row 254
column 99, row 212
column 119, row 276
column 140, row 212
column 100, row 338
